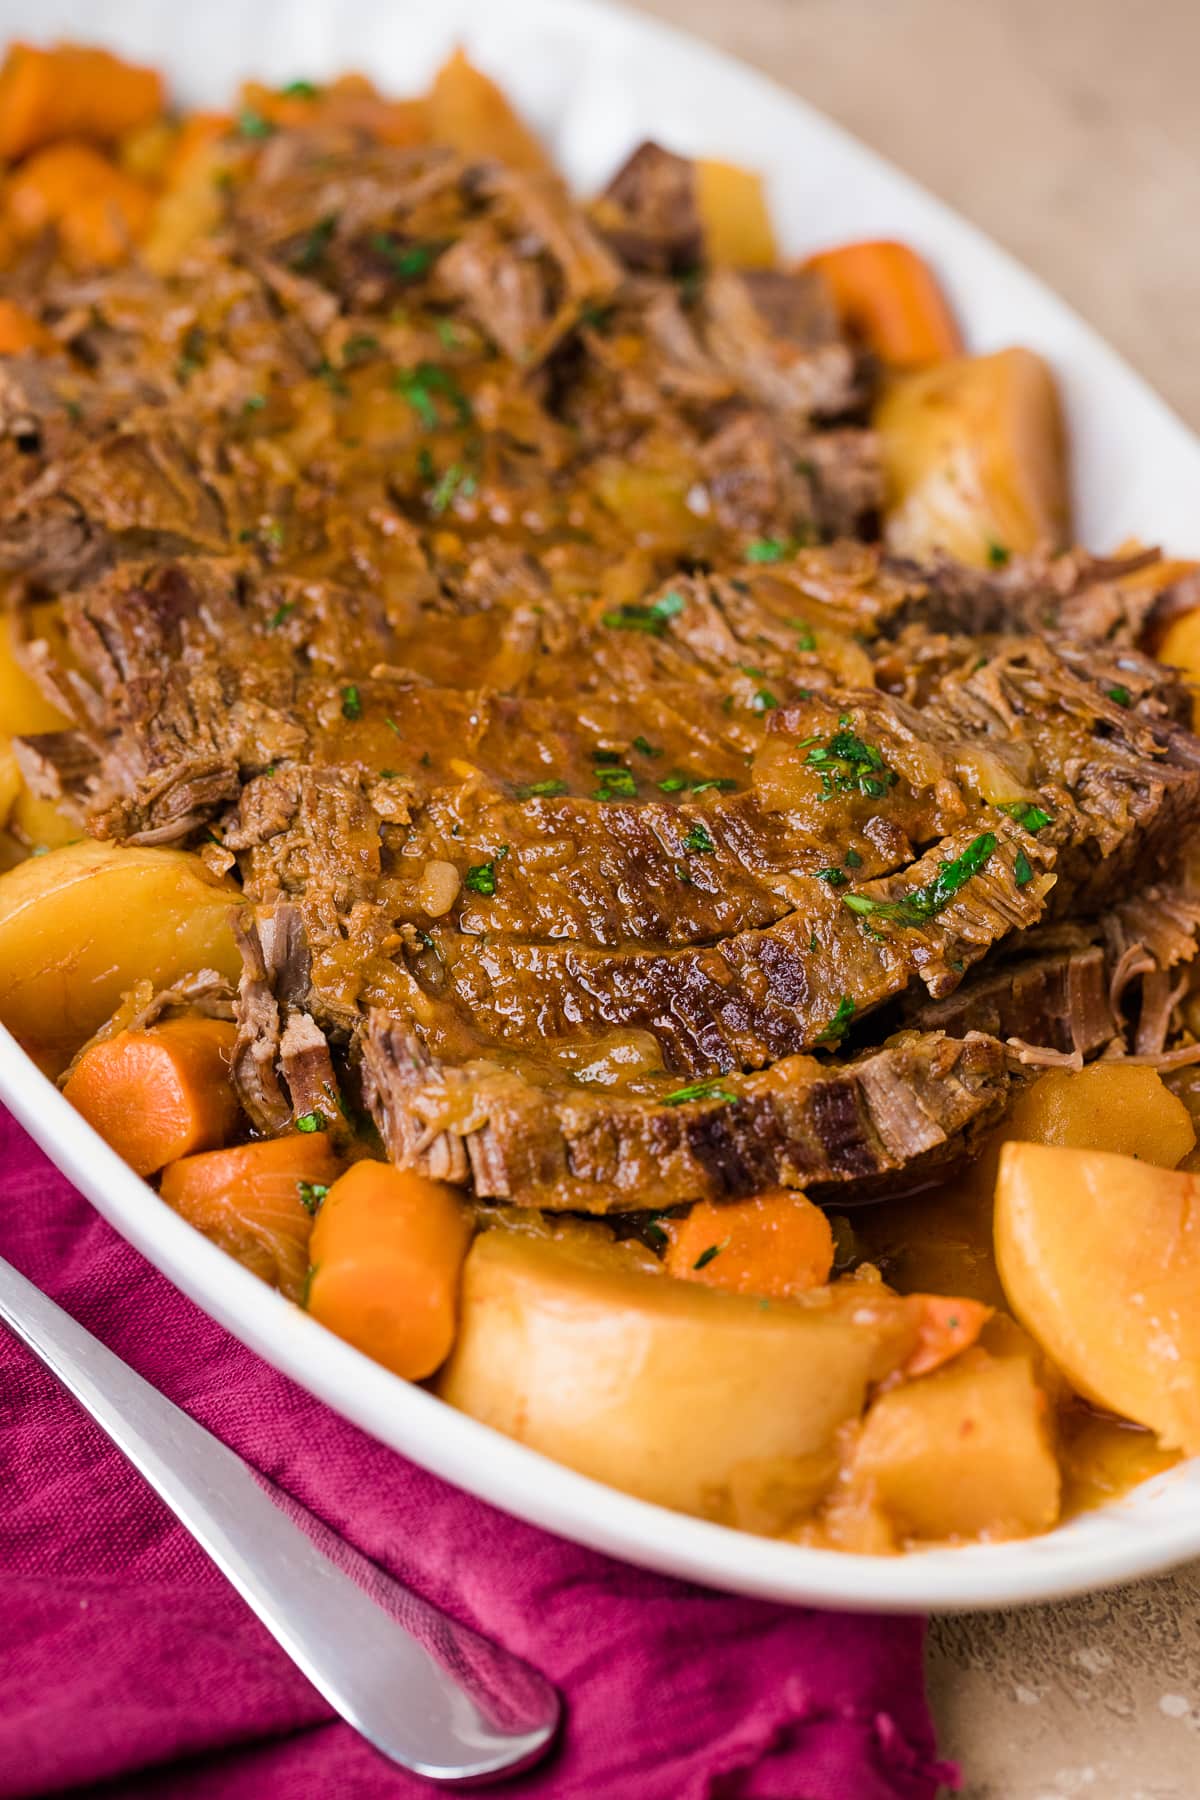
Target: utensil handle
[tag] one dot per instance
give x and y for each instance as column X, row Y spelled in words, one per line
column 427, row 1692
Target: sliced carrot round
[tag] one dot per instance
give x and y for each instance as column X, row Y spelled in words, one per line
column 776, row 1244
column 160, row 1094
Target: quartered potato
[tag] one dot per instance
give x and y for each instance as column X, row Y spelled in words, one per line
column 80, row 925
column 1100, row 1260
column 660, row 1387
column 974, row 458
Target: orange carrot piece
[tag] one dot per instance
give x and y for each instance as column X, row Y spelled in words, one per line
column 257, row 1201
column 197, row 132
column 468, row 111
column 19, row 331
column 888, row 296
column 350, row 103
column 776, row 1244
column 72, row 92
column 947, row 1325
column 387, row 1252
column 160, row 1094
column 98, row 211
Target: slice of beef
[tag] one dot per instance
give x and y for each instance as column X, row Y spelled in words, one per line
column 755, row 996
column 1056, row 1002
column 771, row 347
column 896, row 1116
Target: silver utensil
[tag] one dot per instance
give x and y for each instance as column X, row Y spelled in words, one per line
column 428, row 1693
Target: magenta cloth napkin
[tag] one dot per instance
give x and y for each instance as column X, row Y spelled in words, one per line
column 127, row 1660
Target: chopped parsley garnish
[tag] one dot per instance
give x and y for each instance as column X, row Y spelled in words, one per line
column 406, row 260
column 805, row 638
column 251, row 124
column 1027, row 814
column 333, row 378
column 534, row 790
column 281, row 615
column 652, row 618
column 673, row 784
column 646, row 748
column 456, row 480
column 998, row 554
column 709, row 1255
column 481, row 878
column 300, row 90
column 392, row 726
column 834, row 877
column 700, row 1090
column 924, row 902
column 419, row 386
column 654, row 1235
column 722, row 784
column 363, row 343
column 311, row 1194
column 449, row 334
column 1022, row 869
column 769, row 550
column 839, row 1023
column 697, row 842
column 1120, row 694
column 852, row 859
column 312, row 247
column 254, row 403
column 848, row 765
column 351, row 703
column 615, row 783
column 764, row 701
column 312, row 1121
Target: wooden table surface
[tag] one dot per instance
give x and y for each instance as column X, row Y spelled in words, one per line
column 1068, row 129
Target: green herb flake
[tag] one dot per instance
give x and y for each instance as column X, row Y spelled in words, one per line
column 281, row 615
column 449, row 334
column 254, row 403
column 542, row 790
column 924, row 902
column 673, row 784
column 193, row 354
column 697, row 842
column 1022, row 869
column 834, row 877
column 311, row 1194
column 998, row 555
column 710, row 1255
column 763, row 701
column 1120, row 694
column 455, row 481
column 848, row 765
column 300, row 90
column 408, row 261
column 310, row 251
column 251, row 124
column 769, row 550
column 645, row 747
column 1033, row 818
column 419, row 387
column 615, row 784
column 684, row 874
column 351, row 703
column 700, row 1090
column 720, row 784
column 652, row 619
column 839, row 1023
column 312, row 1121
column 481, row 879
column 805, row 637
column 852, row 859
column 655, row 1236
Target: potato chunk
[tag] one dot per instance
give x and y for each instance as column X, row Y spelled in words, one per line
column 80, row 925
column 657, row 1386
column 974, row 459
column 1100, row 1259
column 963, row 1453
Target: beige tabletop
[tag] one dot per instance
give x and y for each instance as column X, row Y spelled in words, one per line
column 1069, row 130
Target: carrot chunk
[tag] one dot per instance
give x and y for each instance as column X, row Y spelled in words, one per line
column 387, row 1253
column 72, row 92
column 776, row 1244
column 98, row 211
column 19, row 331
column 946, row 1325
column 888, row 296
column 468, row 111
column 160, row 1094
column 257, row 1201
